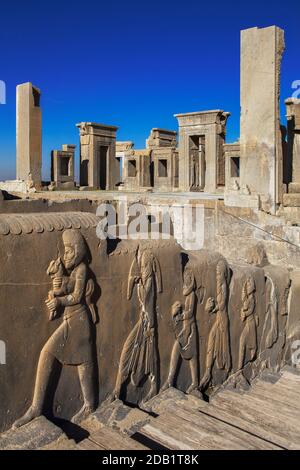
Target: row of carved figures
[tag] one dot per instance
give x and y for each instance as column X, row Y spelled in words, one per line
column 72, row 343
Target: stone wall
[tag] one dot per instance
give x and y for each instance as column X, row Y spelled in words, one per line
column 130, row 276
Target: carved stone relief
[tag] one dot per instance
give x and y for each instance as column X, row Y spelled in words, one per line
column 72, row 342
column 186, row 335
column 218, row 344
column 248, row 339
column 273, row 336
column 139, row 355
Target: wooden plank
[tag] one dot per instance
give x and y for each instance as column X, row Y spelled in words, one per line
column 260, row 414
column 184, row 429
column 279, row 393
column 291, row 376
column 230, row 416
column 282, row 411
column 158, row 434
column 233, row 417
column 113, row 440
column 228, row 432
column 174, row 434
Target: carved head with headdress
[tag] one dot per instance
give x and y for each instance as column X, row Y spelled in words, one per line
column 75, row 248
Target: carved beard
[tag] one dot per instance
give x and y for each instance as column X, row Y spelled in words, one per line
column 71, row 262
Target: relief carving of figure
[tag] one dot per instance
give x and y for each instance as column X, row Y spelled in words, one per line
column 72, row 342
column 271, row 319
column 195, row 168
column 218, row 345
column 186, row 334
column 139, row 355
column 273, row 337
column 248, row 339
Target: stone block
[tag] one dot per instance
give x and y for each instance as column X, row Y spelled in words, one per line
column 260, row 140
column 29, row 133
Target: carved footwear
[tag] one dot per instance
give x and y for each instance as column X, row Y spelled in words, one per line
column 145, row 406
column 152, row 392
column 114, row 396
column 205, row 380
column 194, row 390
column 196, row 393
column 82, row 414
column 30, row 414
column 166, row 385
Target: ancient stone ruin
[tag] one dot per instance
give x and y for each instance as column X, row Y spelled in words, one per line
column 135, row 328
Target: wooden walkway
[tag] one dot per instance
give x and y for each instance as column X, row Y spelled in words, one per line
column 267, row 417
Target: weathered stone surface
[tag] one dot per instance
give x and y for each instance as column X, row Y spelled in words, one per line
column 117, row 416
column 62, row 443
column 165, row 161
column 14, row 186
column 291, row 199
column 236, row 199
column 99, row 167
column 260, row 140
column 34, row 435
column 62, row 167
column 161, row 138
column 18, row 224
column 201, row 157
column 137, row 170
column 294, row 188
column 293, row 118
column 29, row 134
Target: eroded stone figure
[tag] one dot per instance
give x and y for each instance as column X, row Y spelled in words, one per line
column 270, row 329
column 273, row 336
column 195, row 169
column 139, row 355
column 218, row 344
column 72, row 342
column 248, row 339
column 186, row 334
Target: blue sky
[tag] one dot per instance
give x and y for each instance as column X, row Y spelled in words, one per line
column 131, row 64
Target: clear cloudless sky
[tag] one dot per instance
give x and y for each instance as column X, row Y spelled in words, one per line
column 130, row 63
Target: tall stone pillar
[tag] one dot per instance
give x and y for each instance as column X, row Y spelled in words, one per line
column 261, row 175
column 293, row 119
column 29, row 134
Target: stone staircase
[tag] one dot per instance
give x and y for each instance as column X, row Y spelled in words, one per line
column 266, row 417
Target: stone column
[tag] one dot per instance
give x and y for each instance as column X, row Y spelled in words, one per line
column 29, row 134
column 260, row 141
column 293, row 118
